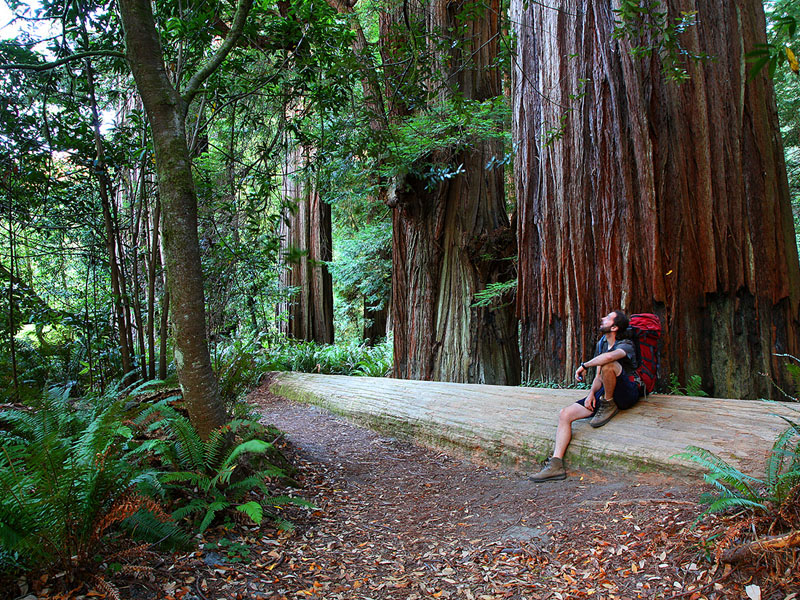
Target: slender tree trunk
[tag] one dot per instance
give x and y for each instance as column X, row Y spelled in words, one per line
column 163, row 336
column 452, row 238
column 152, row 265
column 652, row 196
column 88, row 328
column 307, row 247
column 123, row 322
column 166, row 111
column 135, row 259
column 12, row 327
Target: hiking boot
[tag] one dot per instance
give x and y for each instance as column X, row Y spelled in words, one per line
column 553, row 470
column 605, row 412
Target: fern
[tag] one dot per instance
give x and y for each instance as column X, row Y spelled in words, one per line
column 67, row 481
column 209, row 477
column 732, row 488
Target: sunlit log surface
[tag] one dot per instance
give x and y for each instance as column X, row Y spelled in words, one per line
column 515, row 426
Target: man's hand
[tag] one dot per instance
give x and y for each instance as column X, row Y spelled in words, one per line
column 589, row 402
column 580, row 374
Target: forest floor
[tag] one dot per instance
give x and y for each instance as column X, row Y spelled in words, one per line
column 394, row 520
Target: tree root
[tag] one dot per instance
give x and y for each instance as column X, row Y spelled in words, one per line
column 766, row 544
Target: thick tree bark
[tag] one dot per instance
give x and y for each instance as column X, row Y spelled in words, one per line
column 306, row 238
column 652, row 196
column 166, row 111
column 452, row 239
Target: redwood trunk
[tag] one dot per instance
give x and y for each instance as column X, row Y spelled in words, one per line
column 451, row 239
column 307, row 247
column 656, row 197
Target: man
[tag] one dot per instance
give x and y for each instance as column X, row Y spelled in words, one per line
column 613, row 388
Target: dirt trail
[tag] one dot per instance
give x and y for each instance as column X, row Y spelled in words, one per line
column 397, row 520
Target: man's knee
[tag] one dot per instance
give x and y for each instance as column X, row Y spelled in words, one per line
column 613, row 368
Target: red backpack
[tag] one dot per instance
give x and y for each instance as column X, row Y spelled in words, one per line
column 645, row 330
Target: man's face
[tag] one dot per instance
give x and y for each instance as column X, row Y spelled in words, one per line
column 607, row 322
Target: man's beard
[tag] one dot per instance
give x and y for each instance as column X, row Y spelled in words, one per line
column 605, row 329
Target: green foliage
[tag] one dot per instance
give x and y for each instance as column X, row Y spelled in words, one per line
column 69, row 482
column 650, row 30
column 234, row 551
column 349, row 359
column 731, row 488
column 494, row 292
column 556, row 385
column 694, row 386
column 238, row 367
column 778, row 51
column 426, row 143
column 230, row 470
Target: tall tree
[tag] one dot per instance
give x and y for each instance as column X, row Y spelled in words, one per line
column 452, row 236
column 166, row 110
column 640, row 193
column 306, row 238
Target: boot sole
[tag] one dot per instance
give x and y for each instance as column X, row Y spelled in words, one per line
column 553, row 478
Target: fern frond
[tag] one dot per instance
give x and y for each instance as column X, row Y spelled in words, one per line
column 734, row 502
column 143, row 525
column 253, row 510
column 722, row 470
column 189, row 445
column 283, row 500
column 252, row 446
column 775, row 460
column 212, row 511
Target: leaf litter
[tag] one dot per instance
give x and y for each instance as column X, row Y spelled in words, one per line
column 394, row 520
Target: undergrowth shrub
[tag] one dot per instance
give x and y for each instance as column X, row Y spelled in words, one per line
column 69, row 484
column 758, row 506
column 238, row 367
column 339, row 359
column 207, row 478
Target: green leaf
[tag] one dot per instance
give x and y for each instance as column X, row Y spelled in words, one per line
column 253, row 510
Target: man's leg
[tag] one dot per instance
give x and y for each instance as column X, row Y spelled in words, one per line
column 609, row 374
column 566, row 417
column 607, row 409
column 555, row 466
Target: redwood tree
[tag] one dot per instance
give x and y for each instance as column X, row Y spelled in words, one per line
column 639, row 192
column 306, row 240
column 451, row 234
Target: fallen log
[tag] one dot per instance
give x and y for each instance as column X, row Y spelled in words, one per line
column 766, row 544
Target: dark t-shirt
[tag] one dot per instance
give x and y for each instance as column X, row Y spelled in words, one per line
column 627, row 362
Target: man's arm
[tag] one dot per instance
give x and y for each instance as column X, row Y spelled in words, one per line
column 599, row 361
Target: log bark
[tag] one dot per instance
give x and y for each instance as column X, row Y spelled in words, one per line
column 307, row 246
column 639, row 193
column 450, row 239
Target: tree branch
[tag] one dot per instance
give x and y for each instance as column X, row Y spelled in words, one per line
column 61, row 61
column 767, row 544
column 242, row 10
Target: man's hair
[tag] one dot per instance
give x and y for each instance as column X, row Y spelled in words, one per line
column 622, row 321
